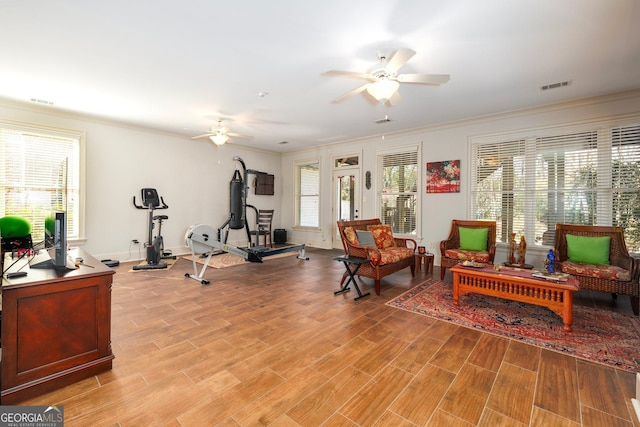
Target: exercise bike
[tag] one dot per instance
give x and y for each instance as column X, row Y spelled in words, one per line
column 154, row 246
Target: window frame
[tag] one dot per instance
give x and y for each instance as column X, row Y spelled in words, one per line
column 298, row 167
column 57, row 133
column 398, row 151
column 595, row 139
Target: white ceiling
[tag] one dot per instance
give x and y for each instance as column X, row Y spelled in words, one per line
column 179, row 65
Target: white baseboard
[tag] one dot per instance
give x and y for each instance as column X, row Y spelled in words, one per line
column 636, row 401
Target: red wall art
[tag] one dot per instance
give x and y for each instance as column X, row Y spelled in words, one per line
column 443, row 177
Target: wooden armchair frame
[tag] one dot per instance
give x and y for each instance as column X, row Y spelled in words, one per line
column 453, row 241
column 375, row 272
column 618, row 256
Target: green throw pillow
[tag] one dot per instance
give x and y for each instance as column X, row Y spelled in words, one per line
column 14, row 226
column 473, row 239
column 588, row 250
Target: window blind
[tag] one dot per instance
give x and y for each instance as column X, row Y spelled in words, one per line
column 309, row 195
column 40, row 174
column 397, row 186
column 586, row 176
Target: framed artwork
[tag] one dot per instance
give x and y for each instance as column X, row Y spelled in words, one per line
column 443, row 177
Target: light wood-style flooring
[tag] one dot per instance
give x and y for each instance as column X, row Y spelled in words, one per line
column 270, row 344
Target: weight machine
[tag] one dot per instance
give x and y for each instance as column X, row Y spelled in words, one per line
column 203, row 239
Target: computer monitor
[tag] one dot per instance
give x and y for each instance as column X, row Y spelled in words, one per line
column 55, row 241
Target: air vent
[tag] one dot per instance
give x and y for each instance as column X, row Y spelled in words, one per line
column 555, row 85
column 385, row 120
column 41, row 101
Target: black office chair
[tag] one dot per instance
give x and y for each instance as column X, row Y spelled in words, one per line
column 265, row 218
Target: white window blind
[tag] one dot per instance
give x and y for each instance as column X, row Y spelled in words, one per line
column 40, row 174
column 586, row 176
column 397, row 186
column 308, row 197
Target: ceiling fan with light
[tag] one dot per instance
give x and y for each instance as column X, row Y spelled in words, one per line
column 384, row 79
column 221, row 134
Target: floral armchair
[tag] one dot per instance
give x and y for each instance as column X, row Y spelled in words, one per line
column 387, row 253
column 597, row 256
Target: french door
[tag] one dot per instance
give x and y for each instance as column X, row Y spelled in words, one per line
column 346, row 198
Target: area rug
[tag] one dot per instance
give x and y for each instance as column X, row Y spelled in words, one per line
column 222, row 260
column 225, row 260
column 598, row 335
column 170, row 263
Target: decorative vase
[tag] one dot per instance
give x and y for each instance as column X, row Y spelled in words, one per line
column 550, row 263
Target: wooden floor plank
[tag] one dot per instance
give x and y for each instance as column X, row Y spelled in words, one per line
column 270, row 344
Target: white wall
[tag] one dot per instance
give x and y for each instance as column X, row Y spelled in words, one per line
column 192, row 176
column 437, row 143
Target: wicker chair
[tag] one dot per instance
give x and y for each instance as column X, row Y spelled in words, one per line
column 618, row 257
column 452, row 244
column 374, row 270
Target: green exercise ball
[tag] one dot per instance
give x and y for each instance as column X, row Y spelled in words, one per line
column 14, row 226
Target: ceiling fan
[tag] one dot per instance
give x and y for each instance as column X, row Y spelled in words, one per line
column 221, row 134
column 384, row 79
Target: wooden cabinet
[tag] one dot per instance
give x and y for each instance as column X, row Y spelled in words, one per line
column 56, row 328
column 265, row 184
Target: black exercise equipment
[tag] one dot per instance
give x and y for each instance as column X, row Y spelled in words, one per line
column 203, row 239
column 154, row 246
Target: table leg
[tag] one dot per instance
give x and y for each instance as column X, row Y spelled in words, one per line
column 567, row 310
column 352, row 278
column 456, row 289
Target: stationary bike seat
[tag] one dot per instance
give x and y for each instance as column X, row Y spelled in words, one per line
column 162, row 217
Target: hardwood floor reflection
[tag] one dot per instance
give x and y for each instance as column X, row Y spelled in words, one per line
column 270, row 344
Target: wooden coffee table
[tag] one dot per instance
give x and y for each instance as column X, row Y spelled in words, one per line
column 516, row 285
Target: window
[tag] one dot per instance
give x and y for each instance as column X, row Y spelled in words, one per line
column 585, row 176
column 398, row 190
column 308, row 194
column 40, row 174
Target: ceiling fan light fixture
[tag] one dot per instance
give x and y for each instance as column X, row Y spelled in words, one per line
column 383, row 89
column 219, row 138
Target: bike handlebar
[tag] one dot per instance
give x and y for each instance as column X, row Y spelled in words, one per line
column 162, row 205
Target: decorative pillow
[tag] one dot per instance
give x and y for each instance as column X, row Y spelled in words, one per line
column 382, row 235
column 473, row 239
column 588, row 250
column 350, row 234
column 14, row 226
column 365, row 238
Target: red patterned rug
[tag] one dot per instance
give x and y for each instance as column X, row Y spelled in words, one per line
column 598, row 335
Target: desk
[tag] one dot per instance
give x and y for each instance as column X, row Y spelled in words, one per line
column 56, row 328
column 348, row 262
column 428, row 262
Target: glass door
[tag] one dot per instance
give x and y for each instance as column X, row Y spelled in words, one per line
column 346, row 198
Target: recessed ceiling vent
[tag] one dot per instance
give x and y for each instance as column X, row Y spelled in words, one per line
column 556, row 85
column 41, row 101
column 385, row 120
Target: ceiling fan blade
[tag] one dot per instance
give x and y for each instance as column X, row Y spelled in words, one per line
column 427, row 79
column 395, row 99
column 354, row 74
column 239, row 135
column 398, row 59
column 206, row 135
column 353, row 92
